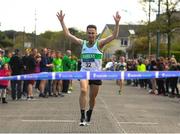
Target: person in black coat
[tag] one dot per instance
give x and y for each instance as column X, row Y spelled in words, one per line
column 16, row 65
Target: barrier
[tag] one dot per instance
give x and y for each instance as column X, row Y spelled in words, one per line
column 103, row 75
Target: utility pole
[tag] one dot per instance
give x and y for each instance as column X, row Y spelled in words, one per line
column 23, row 36
column 168, row 14
column 35, row 29
column 149, row 31
column 158, row 31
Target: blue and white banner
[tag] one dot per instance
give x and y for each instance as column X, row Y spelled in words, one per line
column 103, row 75
column 139, row 75
column 110, row 75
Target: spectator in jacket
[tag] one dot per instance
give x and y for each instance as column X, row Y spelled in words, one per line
column 44, row 67
column 31, row 64
column 5, row 71
column 16, row 65
column 66, row 61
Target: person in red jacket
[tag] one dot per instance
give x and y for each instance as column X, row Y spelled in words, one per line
column 5, row 71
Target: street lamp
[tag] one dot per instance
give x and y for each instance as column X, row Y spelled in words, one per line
column 23, row 36
column 132, row 36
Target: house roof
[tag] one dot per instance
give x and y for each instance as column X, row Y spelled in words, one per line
column 173, row 14
column 123, row 29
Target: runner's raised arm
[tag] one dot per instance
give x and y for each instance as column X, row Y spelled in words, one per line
column 108, row 39
column 73, row 38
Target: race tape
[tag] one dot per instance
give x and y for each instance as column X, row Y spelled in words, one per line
column 103, row 75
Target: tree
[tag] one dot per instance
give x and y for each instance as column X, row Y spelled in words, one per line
column 167, row 21
column 57, row 41
column 76, row 49
column 172, row 21
column 5, row 41
column 119, row 53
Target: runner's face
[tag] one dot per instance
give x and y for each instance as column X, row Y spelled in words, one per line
column 91, row 34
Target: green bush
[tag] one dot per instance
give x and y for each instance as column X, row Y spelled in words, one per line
column 175, row 53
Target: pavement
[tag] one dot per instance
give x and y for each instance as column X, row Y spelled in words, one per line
column 135, row 111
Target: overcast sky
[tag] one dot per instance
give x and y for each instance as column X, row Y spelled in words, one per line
column 20, row 14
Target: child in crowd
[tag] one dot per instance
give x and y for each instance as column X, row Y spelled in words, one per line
column 5, row 71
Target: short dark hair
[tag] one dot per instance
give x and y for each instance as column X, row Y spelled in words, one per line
column 92, row 26
column 17, row 51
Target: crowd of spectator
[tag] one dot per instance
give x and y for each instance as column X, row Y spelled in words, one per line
column 47, row 60
column 34, row 61
column 157, row 86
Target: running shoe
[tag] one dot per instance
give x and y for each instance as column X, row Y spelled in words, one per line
column 82, row 122
column 69, row 92
column 70, row 88
column 88, row 117
column 61, row 95
column 28, row 98
column 119, row 92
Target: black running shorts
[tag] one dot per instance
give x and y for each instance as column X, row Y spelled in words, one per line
column 95, row 82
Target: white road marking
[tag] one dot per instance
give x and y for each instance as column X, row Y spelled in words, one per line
column 112, row 115
column 140, row 123
column 52, row 121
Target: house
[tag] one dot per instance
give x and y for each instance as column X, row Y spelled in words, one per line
column 122, row 42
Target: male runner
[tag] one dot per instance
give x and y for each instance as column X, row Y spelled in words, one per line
column 122, row 66
column 91, row 60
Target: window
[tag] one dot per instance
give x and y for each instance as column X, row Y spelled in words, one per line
column 124, row 42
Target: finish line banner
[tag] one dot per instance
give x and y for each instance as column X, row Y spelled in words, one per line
column 104, row 75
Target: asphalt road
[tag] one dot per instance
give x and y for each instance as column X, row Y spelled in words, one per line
column 135, row 111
